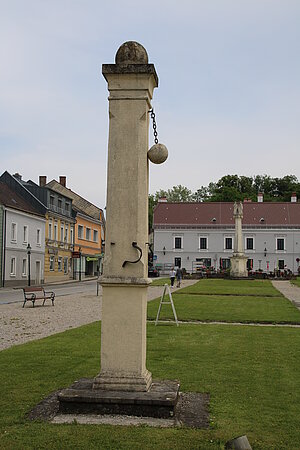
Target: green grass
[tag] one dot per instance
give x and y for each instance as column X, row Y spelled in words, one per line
column 228, row 309
column 160, row 281
column 251, row 373
column 250, row 301
column 233, row 287
column 296, row 281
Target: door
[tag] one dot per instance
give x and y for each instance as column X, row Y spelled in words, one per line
column 38, row 272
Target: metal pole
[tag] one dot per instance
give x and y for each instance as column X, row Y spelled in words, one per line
column 28, row 253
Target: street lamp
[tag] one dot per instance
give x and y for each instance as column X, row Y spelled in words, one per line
column 28, row 256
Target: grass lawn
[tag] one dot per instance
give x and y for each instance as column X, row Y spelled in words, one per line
column 160, row 281
column 203, row 301
column 251, row 373
column 233, row 287
column 296, row 281
column 228, row 309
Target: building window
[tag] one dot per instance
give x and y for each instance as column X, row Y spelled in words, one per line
column 281, row 264
column 50, row 230
column 228, row 243
column 95, row 235
column 203, row 243
column 280, row 244
column 224, row 263
column 80, row 232
column 67, row 209
column 51, row 263
column 59, row 264
column 66, row 234
column 71, row 235
column 249, row 264
column 249, row 243
column 177, row 262
column 38, row 237
column 59, row 204
column 88, row 234
column 14, row 232
column 13, row 267
column 51, row 201
column 178, row 242
column 25, row 234
column 24, row 267
column 55, row 231
column 65, row 265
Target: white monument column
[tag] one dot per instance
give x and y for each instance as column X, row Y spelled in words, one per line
column 238, row 260
column 131, row 81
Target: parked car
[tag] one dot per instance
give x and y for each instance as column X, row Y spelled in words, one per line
column 153, row 272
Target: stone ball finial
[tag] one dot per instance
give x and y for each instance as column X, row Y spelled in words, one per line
column 158, row 153
column 131, row 52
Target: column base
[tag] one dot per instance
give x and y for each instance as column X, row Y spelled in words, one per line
column 111, row 382
column 238, row 266
column 81, row 398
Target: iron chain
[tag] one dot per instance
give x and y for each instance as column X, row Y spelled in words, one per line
column 152, row 115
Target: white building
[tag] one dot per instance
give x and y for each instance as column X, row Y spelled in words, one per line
column 22, row 240
column 191, row 235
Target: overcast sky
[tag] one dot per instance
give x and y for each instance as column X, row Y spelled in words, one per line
column 228, row 99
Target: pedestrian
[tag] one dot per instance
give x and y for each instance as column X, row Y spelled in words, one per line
column 172, row 276
column 178, row 276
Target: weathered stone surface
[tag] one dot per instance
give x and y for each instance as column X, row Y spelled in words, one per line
column 158, row 153
column 159, row 401
column 131, row 52
column 191, row 410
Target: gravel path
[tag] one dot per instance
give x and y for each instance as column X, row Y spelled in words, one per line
column 289, row 290
column 19, row 325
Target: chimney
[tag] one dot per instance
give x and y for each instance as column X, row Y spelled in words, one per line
column 162, row 200
column 42, row 180
column 17, row 176
column 260, row 197
column 63, row 181
column 294, row 197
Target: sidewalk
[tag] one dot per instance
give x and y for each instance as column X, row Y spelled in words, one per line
column 289, row 290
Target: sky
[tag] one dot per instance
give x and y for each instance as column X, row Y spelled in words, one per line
column 228, row 100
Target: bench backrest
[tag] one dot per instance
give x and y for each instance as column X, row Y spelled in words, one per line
column 33, row 289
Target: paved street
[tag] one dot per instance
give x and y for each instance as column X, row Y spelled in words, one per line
column 16, row 295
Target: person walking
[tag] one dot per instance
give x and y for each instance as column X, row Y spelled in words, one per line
column 178, row 276
column 172, row 276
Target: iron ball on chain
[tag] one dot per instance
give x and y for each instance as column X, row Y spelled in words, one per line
column 158, row 153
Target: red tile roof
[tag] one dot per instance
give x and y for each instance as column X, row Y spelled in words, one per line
column 221, row 213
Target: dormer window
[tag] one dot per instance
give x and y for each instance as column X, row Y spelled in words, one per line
column 213, row 219
column 261, row 220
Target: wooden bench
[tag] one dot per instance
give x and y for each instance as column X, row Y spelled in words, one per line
column 36, row 293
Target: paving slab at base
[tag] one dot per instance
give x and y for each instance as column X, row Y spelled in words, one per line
column 191, row 411
column 81, row 398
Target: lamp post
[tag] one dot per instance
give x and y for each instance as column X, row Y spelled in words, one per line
column 28, row 256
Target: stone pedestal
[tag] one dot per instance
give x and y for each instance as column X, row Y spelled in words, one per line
column 123, row 336
column 238, row 266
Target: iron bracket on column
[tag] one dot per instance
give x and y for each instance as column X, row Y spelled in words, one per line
column 134, row 244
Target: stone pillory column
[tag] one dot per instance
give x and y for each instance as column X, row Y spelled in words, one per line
column 238, row 260
column 131, row 82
